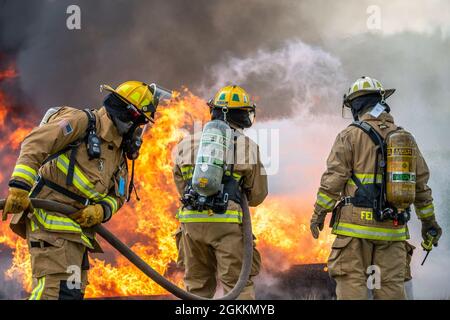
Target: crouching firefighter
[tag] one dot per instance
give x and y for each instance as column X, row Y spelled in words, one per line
column 78, row 158
column 375, row 172
column 211, row 170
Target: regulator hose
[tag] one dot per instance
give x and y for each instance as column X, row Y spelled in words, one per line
column 148, row 270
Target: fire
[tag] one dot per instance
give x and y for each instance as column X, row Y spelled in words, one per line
column 281, row 224
column 151, row 221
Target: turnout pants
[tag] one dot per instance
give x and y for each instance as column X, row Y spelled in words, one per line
column 358, row 265
column 211, row 250
column 59, row 266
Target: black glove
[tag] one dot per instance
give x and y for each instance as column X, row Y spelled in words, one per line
column 317, row 223
column 429, row 224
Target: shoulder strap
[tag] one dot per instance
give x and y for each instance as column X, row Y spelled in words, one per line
column 379, row 141
column 91, row 120
column 234, row 154
column 370, row 131
column 73, row 147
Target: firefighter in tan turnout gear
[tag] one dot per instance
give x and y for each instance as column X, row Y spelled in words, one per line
column 375, row 172
column 211, row 169
column 76, row 157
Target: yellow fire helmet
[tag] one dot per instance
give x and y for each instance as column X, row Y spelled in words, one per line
column 366, row 85
column 141, row 95
column 232, row 97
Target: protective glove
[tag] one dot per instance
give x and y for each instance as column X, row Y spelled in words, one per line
column 89, row 216
column 428, row 224
column 17, row 201
column 317, row 223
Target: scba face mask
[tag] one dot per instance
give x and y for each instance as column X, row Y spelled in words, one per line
column 132, row 142
column 241, row 118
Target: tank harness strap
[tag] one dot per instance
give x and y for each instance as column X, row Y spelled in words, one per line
column 44, row 182
column 234, row 156
column 370, row 131
column 378, row 140
column 73, row 147
column 361, row 186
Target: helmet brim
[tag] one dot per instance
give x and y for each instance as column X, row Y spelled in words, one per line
column 112, row 90
column 360, row 93
column 212, row 105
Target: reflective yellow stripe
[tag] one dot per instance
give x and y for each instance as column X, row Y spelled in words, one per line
column 186, row 169
column 34, row 226
column 365, row 178
column 372, row 233
column 325, row 201
column 425, row 212
column 25, row 172
column 204, row 216
column 79, row 180
column 236, row 176
column 112, row 203
column 55, row 223
column 36, row 294
column 186, row 172
column 86, row 241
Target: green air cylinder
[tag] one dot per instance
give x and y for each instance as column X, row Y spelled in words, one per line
column 215, row 144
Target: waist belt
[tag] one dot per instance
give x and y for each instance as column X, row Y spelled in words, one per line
column 43, row 182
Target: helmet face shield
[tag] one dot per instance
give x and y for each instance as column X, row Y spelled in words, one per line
column 159, row 93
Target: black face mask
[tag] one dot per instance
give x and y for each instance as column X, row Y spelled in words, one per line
column 366, row 102
column 121, row 116
column 240, row 118
column 117, row 108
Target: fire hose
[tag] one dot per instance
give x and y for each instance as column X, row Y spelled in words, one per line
column 148, row 270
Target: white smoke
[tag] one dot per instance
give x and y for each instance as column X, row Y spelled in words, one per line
column 295, row 79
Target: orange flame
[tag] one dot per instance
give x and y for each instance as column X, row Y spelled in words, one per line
column 147, row 226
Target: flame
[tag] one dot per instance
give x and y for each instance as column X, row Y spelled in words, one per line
column 147, row 226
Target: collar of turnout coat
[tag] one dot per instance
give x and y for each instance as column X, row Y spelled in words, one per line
column 384, row 117
column 107, row 130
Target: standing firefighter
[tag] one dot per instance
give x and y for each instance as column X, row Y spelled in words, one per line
column 211, row 169
column 78, row 158
column 376, row 172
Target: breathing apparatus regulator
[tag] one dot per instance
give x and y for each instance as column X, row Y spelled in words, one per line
column 213, row 182
column 393, row 189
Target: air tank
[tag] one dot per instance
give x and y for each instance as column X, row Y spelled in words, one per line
column 401, row 169
column 212, row 155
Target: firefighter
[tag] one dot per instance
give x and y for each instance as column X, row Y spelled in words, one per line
column 369, row 238
column 78, row 158
column 211, row 243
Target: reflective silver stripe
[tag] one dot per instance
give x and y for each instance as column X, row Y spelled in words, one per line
column 370, row 232
column 28, row 173
column 365, row 178
column 52, row 222
column 85, row 189
column 426, row 211
column 325, row 201
column 231, row 216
